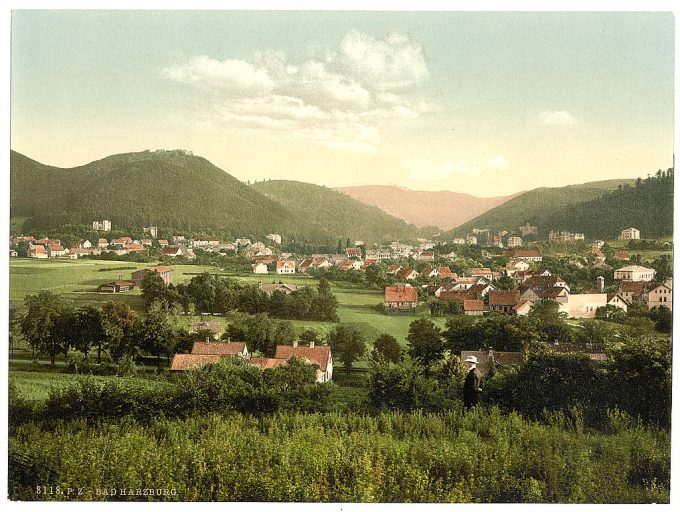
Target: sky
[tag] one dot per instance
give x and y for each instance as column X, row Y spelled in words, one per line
column 486, row 103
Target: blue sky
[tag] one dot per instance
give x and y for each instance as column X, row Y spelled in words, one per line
column 484, row 103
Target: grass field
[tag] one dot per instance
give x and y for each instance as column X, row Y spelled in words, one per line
column 36, row 386
column 78, row 280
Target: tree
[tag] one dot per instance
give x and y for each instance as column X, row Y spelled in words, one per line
column 157, row 333
column 202, row 290
column 119, row 322
column 284, row 333
column 41, row 325
column 340, row 251
column 348, row 345
column 152, row 287
column 663, row 319
column 88, row 330
column 324, row 306
column 309, row 336
column 550, row 321
column 425, row 343
column 504, row 283
column 375, row 275
column 14, row 326
column 386, row 348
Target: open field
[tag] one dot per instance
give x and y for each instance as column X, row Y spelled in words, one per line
column 36, row 385
column 78, row 280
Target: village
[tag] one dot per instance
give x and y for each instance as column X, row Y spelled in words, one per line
column 411, row 276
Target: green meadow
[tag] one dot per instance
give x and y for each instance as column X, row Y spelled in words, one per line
column 78, row 280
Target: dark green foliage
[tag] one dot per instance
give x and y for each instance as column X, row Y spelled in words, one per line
column 45, row 323
column 120, row 322
column 425, row 343
column 501, row 332
column 348, row 345
column 386, row 349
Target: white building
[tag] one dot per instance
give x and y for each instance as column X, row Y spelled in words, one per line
column 630, row 234
column 274, row 238
column 285, row 267
column 104, row 225
column 634, row 273
column 514, row 241
column 583, row 305
column 260, row 268
column 458, row 240
column 662, row 295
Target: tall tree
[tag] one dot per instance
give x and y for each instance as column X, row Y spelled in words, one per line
column 386, row 348
column 89, row 330
column 425, row 343
column 120, row 322
column 14, row 326
column 325, row 305
column 348, row 345
column 41, row 324
column 158, row 332
column 153, row 288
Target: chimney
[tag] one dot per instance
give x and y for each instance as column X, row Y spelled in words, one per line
column 600, row 284
column 295, row 343
column 311, row 344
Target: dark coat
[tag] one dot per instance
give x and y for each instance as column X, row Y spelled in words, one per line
column 472, row 391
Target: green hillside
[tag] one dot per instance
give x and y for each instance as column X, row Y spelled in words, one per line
column 646, row 205
column 327, row 209
column 172, row 189
column 537, row 205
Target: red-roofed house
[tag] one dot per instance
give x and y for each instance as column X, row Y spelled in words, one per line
column 426, row 256
column 285, row 267
column 473, row 307
column 446, row 273
column 55, row 251
column 221, row 348
column 353, row 252
column 102, row 243
column 525, row 254
column 407, row 273
column 320, row 356
column 486, row 273
column 37, row 251
column 134, row 247
column 622, row 255
column 503, row 301
column 184, row 362
column 401, row 297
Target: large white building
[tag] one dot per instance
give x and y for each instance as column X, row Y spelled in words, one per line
column 514, row 241
column 634, row 273
column 104, row 225
column 630, row 234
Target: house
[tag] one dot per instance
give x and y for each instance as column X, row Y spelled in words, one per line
column 598, row 255
column 520, row 265
column 274, row 238
column 55, row 251
column 633, row 292
column 84, row 244
column 116, row 287
column 630, row 234
column 104, row 225
column 179, row 239
column 280, row 287
column 383, row 254
column 320, row 356
column 661, row 295
column 152, row 230
column 353, row 252
column 523, row 308
column 473, row 307
column 597, row 244
column 464, row 283
column 525, row 254
column 634, row 273
column 147, row 242
column 482, row 272
column 214, row 326
column 221, row 348
column 260, row 268
column 161, row 270
column 393, row 269
column 102, row 243
column 615, row 299
column 121, row 242
column 514, row 241
column 204, row 242
column 481, row 289
column 495, row 241
column 446, row 273
column 458, row 240
column 541, row 283
column 285, row 267
column 401, row 297
column 527, row 229
column 583, row 305
column 430, row 273
column 13, row 253
column 426, row 256
column 503, row 301
column 175, row 251
column 407, row 273
column 163, row 243
column 37, row 251
column 622, row 255
column 135, row 247
column 267, row 363
column 491, row 358
column 471, row 240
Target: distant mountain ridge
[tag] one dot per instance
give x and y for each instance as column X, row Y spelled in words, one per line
column 443, row 209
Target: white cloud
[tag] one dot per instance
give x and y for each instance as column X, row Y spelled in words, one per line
column 427, row 170
column 556, row 118
column 340, row 100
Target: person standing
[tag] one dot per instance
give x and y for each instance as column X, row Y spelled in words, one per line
column 472, row 389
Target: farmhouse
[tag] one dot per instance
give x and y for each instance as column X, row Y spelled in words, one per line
column 473, row 307
column 161, row 270
column 184, row 362
column 221, row 348
column 401, row 297
column 116, row 287
column 661, row 295
column 285, row 267
column 280, row 287
column 37, row 251
column 319, row 356
column 407, row 273
column 54, row 250
column 504, row 301
column 525, row 254
column 634, row 273
column 173, row 252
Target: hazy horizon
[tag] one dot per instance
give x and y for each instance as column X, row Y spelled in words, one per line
column 484, row 103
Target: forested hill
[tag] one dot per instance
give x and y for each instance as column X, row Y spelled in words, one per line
column 646, row 205
column 535, row 206
column 172, row 189
column 182, row 192
column 324, row 208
